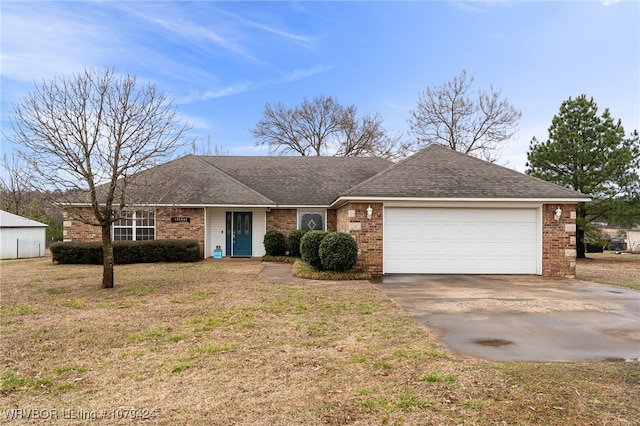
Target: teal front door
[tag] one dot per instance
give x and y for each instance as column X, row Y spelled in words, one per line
column 241, row 237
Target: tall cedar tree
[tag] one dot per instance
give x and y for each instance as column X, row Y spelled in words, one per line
column 590, row 154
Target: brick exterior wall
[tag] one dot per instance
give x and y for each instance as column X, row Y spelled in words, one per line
column 352, row 219
column 559, row 241
column 284, row 220
column 75, row 230
column 194, row 229
column 332, row 220
column 558, row 236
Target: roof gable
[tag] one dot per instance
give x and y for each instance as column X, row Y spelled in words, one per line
column 190, row 180
column 10, row 220
column 440, row 172
column 299, row 181
column 248, row 181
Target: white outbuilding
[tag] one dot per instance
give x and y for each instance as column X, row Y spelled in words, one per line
column 21, row 238
column 633, row 241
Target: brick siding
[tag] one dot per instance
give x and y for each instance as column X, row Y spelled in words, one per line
column 332, row 220
column 76, row 230
column 559, row 241
column 194, row 229
column 352, row 219
column 558, row 236
column 286, row 220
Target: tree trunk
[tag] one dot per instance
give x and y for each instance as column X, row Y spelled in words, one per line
column 107, row 249
column 580, row 252
column 581, row 214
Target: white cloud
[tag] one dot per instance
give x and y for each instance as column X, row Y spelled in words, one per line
column 246, row 86
column 299, row 74
column 271, row 29
column 185, row 29
column 227, row 91
column 609, row 2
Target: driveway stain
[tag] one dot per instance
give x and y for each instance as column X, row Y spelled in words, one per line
column 524, row 318
column 493, row 342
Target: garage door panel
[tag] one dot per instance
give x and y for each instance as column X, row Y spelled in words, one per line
column 474, row 241
column 463, row 266
column 438, row 256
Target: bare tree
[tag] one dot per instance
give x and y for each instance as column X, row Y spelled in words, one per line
column 87, row 135
column 367, row 137
column 477, row 124
column 18, row 196
column 15, row 194
column 205, row 148
column 324, row 127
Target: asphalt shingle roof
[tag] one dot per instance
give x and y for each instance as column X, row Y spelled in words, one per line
column 299, row 180
column 434, row 172
column 440, row 172
column 191, row 180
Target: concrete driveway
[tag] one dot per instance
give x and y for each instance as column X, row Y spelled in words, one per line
column 522, row 318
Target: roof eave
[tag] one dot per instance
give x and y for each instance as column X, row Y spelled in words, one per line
column 272, row 206
column 560, row 200
column 196, row 205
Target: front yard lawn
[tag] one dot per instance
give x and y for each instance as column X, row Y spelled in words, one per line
column 610, row 268
column 210, row 343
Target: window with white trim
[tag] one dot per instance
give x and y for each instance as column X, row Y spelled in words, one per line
column 136, row 226
column 311, row 220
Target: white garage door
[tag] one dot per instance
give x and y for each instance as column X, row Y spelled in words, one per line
column 460, row 241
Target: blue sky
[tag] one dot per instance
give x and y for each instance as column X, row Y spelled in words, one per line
column 222, row 62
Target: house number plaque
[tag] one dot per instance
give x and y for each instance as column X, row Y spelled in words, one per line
column 180, row 219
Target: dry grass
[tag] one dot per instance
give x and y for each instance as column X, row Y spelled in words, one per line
column 610, row 268
column 212, row 344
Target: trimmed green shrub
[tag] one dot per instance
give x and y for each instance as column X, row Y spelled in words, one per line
column 338, row 252
column 78, row 253
column 127, row 252
column 274, row 242
column 294, row 242
column 310, row 246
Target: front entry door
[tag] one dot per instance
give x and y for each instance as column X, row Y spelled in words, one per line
column 241, row 234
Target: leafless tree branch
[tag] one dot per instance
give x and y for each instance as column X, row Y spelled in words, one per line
column 322, row 126
column 474, row 124
column 91, row 133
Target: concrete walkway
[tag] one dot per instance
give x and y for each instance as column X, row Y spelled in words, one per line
column 278, row 272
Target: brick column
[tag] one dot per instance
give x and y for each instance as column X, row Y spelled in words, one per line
column 352, row 219
column 559, row 241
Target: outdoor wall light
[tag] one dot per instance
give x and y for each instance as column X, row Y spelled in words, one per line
column 369, row 212
column 558, row 213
